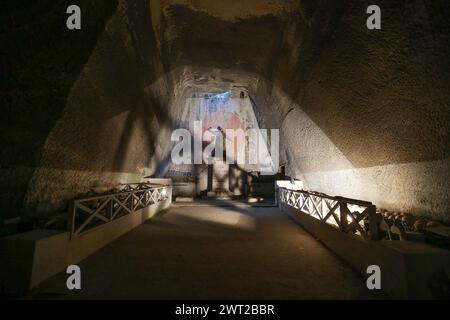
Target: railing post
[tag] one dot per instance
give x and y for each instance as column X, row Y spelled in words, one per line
column 343, row 209
column 71, row 218
column 373, row 223
column 282, row 199
column 276, row 194
column 110, row 208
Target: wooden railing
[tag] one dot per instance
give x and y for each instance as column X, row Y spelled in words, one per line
column 348, row 215
column 89, row 212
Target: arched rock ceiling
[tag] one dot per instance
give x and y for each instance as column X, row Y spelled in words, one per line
column 233, row 10
column 243, row 35
column 188, row 80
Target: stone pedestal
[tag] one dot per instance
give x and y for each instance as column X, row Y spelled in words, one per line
column 219, row 180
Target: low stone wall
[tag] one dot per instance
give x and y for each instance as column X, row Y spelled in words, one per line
column 409, row 270
column 30, row 258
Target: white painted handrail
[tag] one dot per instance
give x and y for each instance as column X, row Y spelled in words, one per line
column 349, row 215
column 90, row 212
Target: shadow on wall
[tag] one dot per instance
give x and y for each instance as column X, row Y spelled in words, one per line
column 42, row 63
column 113, row 129
column 366, row 114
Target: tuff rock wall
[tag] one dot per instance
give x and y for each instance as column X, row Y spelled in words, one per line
column 363, row 114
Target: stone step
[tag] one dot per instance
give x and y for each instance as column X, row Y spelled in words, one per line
column 219, row 194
